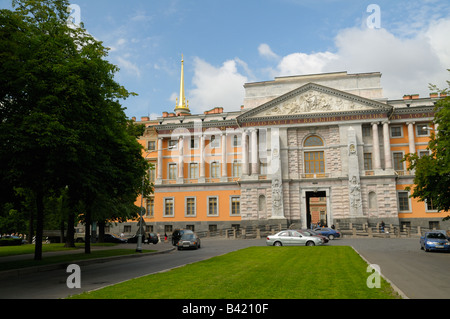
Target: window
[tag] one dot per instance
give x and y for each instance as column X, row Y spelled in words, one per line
column 169, row 207
column 152, row 174
column 422, row 129
column 151, row 207
column 422, row 153
column 173, row 144
column 430, row 206
column 366, row 131
column 127, row 229
column 215, row 169
column 396, row 131
column 235, row 206
column 194, row 143
column 368, row 161
column 237, row 169
column 172, row 170
column 237, row 140
column 398, row 161
column 403, row 201
column 151, row 145
column 314, row 162
column 193, row 170
column 190, row 207
column 215, row 142
column 213, row 206
column 313, row 141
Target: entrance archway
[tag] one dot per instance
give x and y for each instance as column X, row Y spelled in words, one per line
column 316, row 208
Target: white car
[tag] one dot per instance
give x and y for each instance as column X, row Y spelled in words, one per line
column 292, row 238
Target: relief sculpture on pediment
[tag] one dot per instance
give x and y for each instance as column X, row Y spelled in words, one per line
column 312, row 102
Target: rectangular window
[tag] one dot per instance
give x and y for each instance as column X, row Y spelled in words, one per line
column 430, row 206
column 235, row 206
column 237, row 169
column 237, row 140
column 169, row 207
column 423, row 152
column 151, row 145
column 190, row 207
column 403, row 201
column 215, row 169
column 422, row 129
column 172, row 171
column 398, row 161
column 215, row 142
column 193, row 170
column 368, row 161
column 396, row 131
column 152, row 174
column 213, row 206
column 366, row 131
column 194, row 143
column 314, row 162
column 173, row 145
column 151, row 207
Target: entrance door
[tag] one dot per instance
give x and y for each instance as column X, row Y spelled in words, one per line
column 316, row 208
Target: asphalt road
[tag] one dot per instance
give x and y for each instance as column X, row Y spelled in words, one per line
column 416, row 273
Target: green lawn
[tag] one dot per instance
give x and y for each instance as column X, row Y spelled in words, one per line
column 259, row 273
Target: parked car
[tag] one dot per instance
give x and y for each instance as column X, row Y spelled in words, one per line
column 434, row 240
column 150, row 238
column 189, row 240
column 309, row 232
column 110, row 238
column 177, row 233
column 328, row 232
column 292, row 238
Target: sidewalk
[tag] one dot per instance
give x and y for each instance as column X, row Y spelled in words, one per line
column 159, row 248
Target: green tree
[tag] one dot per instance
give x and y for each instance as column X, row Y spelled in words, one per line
column 432, row 172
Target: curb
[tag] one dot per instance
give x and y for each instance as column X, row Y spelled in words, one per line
column 36, row 269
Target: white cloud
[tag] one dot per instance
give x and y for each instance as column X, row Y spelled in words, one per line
column 128, row 66
column 265, row 51
column 408, row 64
column 217, row 86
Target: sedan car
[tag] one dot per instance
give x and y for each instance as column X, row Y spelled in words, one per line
column 292, row 238
column 309, row 232
column 148, row 238
column 434, row 241
column 109, row 238
column 177, row 233
column 188, row 240
column 328, row 232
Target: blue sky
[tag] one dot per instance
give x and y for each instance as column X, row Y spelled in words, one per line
column 229, row 43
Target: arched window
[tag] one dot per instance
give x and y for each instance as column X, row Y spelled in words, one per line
column 314, row 159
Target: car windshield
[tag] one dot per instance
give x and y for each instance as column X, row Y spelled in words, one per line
column 436, row 235
column 188, row 237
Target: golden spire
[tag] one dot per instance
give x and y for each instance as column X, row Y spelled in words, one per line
column 182, row 106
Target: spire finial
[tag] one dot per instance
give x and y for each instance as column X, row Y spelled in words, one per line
column 181, row 106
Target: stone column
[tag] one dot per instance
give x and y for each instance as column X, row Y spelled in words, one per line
column 224, row 156
column 254, row 144
column 353, row 176
column 412, row 143
column 201, row 143
column 376, row 147
column 244, row 154
column 159, row 169
column 276, row 175
column 387, row 146
column 180, row 160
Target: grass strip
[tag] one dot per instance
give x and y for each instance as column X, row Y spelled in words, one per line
column 326, row 272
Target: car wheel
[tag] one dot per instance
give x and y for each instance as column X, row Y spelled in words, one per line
column 278, row 243
column 330, row 237
column 310, row 243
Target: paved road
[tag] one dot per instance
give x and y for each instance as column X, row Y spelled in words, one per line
column 416, row 273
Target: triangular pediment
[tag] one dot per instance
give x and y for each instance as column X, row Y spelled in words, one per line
column 313, row 99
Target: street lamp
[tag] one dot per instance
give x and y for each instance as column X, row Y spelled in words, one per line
column 141, row 219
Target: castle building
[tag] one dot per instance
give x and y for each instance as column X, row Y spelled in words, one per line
column 301, row 149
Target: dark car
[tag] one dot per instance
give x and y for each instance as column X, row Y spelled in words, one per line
column 189, row 240
column 109, row 238
column 328, row 232
column 147, row 238
column 309, row 232
column 177, row 233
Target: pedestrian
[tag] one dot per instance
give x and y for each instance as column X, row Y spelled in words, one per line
column 382, row 226
column 165, row 237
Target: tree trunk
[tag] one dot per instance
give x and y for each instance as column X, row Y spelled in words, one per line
column 70, row 237
column 31, row 227
column 39, row 225
column 101, row 231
